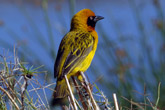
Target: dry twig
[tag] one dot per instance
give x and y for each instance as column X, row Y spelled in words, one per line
column 71, row 94
column 115, row 101
column 89, row 91
column 15, row 104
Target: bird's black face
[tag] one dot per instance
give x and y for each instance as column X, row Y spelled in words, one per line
column 93, row 19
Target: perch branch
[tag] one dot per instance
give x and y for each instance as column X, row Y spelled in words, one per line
column 71, row 94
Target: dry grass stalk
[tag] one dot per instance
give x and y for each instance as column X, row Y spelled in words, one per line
column 79, row 94
column 115, row 101
column 95, row 106
column 71, row 94
column 12, row 100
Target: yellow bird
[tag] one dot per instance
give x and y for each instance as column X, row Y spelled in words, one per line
column 76, row 50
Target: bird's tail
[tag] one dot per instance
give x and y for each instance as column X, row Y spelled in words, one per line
column 60, row 92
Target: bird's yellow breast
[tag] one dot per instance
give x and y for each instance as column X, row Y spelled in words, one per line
column 87, row 61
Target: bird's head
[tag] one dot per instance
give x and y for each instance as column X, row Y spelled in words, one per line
column 85, row 19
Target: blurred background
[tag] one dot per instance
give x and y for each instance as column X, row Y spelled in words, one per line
column 130, row 58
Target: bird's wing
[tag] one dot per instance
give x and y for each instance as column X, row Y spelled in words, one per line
column 74, row 48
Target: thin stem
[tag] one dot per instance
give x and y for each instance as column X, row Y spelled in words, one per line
column 15, row 104
column 71, row 94
column 79, row 93
column 115, row 101
column 90, row 93
column 157, row 101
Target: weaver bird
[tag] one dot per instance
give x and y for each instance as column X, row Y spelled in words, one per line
column 76, row 50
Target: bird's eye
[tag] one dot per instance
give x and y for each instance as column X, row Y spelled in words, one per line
column 90, row 21
column 91, row 17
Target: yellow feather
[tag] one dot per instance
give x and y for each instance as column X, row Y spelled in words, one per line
column 76, row 50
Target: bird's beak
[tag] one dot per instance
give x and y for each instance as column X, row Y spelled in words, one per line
column 97, row 18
